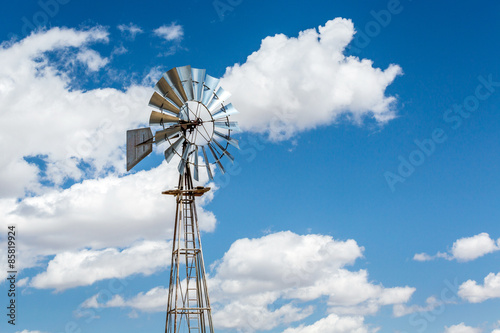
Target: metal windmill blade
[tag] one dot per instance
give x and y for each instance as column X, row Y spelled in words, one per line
column 184, row 74
column 158, row 118
column 218, row 99
column 168, row 92
column 209, row 86
column 173, row 79
column 231, row 125
column 198, row 76
column 162, row 103
column 226, row 110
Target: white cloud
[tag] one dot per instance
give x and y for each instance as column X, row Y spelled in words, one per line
column 262, row 283
column 425, row 257
column 465, row 249
column 92, row 59
column 422, row 257
column 254, row 313
column 17, row 176
column 23, row 282
column 475, row 293
column 152, row 76
column 432, row 302
column 470, row 248
column 155, row 300
column 130, row 30
column 334, row 324
column 73, row 269
column 172, row 32
column 118, row 50
column 297, row 259
column 26, row 331
column 301, row 268
column 295, row 84
column 461, row 328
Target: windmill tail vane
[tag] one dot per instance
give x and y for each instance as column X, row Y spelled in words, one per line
column 191, row 117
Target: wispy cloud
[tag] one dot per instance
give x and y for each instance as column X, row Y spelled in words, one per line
column 172, row 36
column 92, row 59
column 432, row 302
column 172, row 32
column 130, row 30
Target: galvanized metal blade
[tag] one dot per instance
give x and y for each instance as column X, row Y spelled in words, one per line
column 168, row 92
column 161, row 103
column 217, row 159
column 220, row 96
column 226, row 110
column 209, row 88
column 171, row 84
column 173, row 149
column 172, row 77
column 207, row 163
column 164, row 135
column 195, row 171
column 230, row 125
column 228, row 139
column 231, row 158
column 158, row 118
column 198, row 77
column 186, row 80
column 184, row 159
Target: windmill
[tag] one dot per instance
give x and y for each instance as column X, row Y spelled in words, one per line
column 191, row 117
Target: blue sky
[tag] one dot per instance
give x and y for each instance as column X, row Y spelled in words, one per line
column 364, row 198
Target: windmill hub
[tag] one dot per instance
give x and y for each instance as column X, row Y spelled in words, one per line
column 196, row 121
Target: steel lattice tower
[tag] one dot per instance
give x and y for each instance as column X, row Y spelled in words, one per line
column 188, row 302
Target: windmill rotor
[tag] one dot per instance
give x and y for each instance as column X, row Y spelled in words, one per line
column 191, row 118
